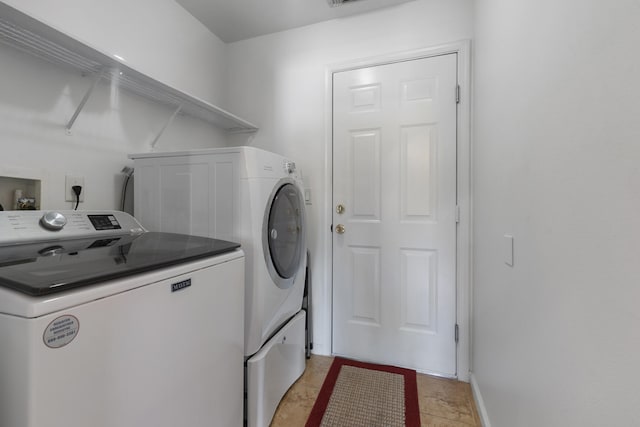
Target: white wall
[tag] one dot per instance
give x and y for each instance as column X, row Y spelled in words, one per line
column 155, row 37
column 557, row 155
column 37, row 101
column 279, row 81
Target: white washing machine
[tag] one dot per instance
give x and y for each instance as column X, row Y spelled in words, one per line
column 255, row 197
column 104, row 324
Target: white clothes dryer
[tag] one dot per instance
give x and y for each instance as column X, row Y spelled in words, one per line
column 272, row 225
column 254, row 197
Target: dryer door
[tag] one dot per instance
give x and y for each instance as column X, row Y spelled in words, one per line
column 284, row 233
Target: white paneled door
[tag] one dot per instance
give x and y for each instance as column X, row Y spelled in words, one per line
column 394, row 214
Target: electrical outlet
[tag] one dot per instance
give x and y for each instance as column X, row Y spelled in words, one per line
column 70, row 181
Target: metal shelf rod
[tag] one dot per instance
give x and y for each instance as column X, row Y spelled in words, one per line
column 97, row 78
column 173, row 116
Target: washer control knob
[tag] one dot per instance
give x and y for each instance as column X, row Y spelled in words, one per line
column 53, row 221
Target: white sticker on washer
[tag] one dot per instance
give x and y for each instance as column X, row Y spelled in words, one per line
column 61, row 331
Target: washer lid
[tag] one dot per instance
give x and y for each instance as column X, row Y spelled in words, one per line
column 46, row 268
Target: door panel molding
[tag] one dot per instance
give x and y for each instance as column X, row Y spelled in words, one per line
column 464, row 186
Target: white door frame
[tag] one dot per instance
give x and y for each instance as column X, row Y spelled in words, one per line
column 463, row 256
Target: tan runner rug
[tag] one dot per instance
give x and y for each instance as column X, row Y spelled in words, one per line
column 364, row 394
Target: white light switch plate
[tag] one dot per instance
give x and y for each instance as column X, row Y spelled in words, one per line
column 508, row 250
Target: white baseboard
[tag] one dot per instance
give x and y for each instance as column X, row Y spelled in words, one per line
column 477, row 396
column 321, row 350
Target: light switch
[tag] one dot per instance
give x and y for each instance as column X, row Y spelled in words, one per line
column 508, row 250
column 307, row 196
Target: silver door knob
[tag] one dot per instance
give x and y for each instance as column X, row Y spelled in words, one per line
column 340, row 229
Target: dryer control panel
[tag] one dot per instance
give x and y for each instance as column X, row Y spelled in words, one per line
column 289, row 166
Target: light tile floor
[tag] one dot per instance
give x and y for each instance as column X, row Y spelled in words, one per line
column 443, row 403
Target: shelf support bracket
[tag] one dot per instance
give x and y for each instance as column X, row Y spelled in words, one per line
column 96, row 79
column 166, row 125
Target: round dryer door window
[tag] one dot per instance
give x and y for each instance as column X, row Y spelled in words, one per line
column 285, row 234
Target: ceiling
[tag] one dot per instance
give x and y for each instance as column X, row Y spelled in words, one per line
column 234, row 20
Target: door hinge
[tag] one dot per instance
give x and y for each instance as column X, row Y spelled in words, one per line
column 457, row 333
column 457, row 214
column 458, row 94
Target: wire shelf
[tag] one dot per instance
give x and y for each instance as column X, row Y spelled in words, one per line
column 33, row 37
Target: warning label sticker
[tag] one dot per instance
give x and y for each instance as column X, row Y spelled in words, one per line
column 61, row 331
